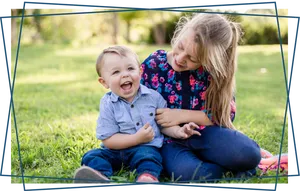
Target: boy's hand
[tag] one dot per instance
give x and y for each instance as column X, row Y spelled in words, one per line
column 187, row 130
column 145, row 134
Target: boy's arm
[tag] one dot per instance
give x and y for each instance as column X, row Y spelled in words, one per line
column 108, row 130
column 121, row 141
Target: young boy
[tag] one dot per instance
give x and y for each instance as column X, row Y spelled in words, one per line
column 126, row 123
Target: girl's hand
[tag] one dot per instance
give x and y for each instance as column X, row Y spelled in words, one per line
column 187, row 131
column 168, row 117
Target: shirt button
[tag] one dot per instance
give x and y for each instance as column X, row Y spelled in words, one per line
column 151, row 114
column 132, row 106
column 137, row 124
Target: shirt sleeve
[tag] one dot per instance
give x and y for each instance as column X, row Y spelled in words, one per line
column 161, row 102
column 150, row 70
column 106, row 123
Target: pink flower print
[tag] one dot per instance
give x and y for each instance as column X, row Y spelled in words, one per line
column 201, row 127
column 195, row 102
column 155, row 78
column 209, row 78
column 171, row 74
column 233, row 106
column 145, row 76
column 172, row 92
column 200, row 70
column 202, row 95
column 192, row 80
column 172, row 98
column 165, row 66
column 178, row 86
column 162, row 80
column 202, row 108
column 155, row 84
column 153, row 64
column 143, row 68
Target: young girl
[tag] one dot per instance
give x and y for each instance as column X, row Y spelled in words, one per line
column 197, row 78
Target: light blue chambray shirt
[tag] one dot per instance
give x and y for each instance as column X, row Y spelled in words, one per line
column 119, row 116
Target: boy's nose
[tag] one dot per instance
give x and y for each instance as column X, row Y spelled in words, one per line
column 125, row 74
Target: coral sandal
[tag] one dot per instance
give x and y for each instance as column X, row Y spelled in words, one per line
column 146, row 177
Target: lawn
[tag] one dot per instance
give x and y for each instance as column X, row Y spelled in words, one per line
column 56, row 101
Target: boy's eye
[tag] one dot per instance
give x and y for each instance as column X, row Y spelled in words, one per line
column 131, row 68
column 115, row 72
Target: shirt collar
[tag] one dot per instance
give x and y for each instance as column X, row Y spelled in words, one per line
column 142, row 90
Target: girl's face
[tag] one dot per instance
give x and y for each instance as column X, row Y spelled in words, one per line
column 183, row 56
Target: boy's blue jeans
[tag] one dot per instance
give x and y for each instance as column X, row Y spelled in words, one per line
column 209, row 156
column 142, row 158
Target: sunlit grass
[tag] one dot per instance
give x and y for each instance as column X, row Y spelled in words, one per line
column 56, row 99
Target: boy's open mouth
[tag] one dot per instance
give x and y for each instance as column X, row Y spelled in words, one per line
column 126, row 85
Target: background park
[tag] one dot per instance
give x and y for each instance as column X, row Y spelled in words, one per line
column 56, row 93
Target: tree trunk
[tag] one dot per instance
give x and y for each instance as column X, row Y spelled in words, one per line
column 159, row 29
column 37, row 24
column 14, row 12
column 128, row 31
column 115, row 28
column 159, row 34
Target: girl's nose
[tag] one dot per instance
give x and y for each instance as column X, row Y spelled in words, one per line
column 181, row 57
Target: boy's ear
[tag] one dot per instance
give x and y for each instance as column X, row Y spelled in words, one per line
column 141, row 70
column 102, row 81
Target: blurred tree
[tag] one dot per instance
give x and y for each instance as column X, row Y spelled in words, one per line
column 14, row 12
column 37, row 23
column 159, row 27
column 128, row 17
column 115, row 28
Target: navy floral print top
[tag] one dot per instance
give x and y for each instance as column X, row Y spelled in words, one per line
column 182, row 90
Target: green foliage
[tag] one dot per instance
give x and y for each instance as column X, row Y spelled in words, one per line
column 257, row 30
column 135, row 26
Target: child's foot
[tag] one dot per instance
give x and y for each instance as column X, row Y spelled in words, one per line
column 86, row 174
column 146, row 177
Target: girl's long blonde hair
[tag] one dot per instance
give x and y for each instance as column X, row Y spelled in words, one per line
column 216, row 41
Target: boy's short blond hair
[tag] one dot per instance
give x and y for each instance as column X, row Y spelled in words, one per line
column 120, row 50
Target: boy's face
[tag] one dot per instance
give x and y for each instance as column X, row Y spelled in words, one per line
column 121, row 75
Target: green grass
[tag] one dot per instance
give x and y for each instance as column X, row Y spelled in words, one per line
column 56, row 99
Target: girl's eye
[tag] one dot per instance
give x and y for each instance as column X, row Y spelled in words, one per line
column 192, row 60
column 180, row 46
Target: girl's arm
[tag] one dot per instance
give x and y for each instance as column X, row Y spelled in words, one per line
column 198, row 117
column 171, row 117
column 171, row 131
